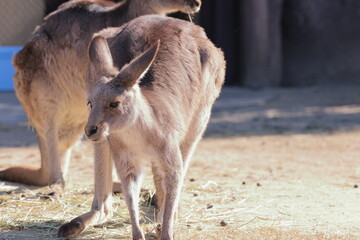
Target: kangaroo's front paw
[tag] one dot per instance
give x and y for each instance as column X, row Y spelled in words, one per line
column 158, row 231
column 75, row 227
column 54, row 191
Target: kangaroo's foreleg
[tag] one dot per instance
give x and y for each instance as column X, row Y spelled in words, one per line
column 131, row 177
column 172, row 165
column 101, row 209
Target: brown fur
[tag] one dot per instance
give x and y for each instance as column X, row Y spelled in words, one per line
column 50, row 77
column 161, row 120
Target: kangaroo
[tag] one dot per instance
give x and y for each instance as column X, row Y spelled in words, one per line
column 50, row 77
column 151, row 86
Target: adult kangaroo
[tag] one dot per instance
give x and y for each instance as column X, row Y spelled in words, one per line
column 50, row 77
column 151, row 86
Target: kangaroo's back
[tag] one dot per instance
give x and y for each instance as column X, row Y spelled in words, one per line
column 189, row 70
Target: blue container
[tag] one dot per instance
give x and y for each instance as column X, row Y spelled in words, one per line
column 7, row 71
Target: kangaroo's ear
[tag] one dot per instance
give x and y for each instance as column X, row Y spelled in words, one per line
column 131, row 73
column 100, row 55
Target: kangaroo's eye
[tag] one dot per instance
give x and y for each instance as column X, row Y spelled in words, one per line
column 114, row 104
column 89, row 104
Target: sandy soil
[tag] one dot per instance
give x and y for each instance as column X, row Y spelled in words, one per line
column 274, row 164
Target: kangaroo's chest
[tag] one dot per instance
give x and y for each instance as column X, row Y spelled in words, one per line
column 132, row 144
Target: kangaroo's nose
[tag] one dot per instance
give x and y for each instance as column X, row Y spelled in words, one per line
column 91, row 130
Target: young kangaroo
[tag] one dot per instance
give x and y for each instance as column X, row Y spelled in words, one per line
column 151, row 86
column 50, row 77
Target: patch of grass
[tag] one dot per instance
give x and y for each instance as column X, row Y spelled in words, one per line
column 25, row 215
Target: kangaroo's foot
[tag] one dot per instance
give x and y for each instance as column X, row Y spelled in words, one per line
column 83, row 222
column 26, row 175
column 54, row 191
column 72, row 228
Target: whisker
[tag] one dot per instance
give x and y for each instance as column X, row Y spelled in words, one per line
column 190, row 17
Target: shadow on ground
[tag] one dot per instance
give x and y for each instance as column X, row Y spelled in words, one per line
column 15, row 130
column 48, row 230
column 320, row 110
column 33, row 230
column 238, row 112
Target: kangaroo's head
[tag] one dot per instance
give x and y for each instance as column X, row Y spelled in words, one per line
column 114, row 96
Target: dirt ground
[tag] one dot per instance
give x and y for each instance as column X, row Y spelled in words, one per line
column 273, row 164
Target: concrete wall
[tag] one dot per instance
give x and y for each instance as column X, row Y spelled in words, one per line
column 321, row 41
column 286, row 42
column 18, row 19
